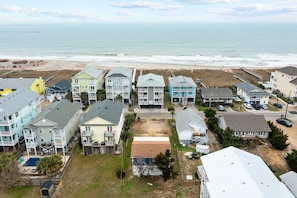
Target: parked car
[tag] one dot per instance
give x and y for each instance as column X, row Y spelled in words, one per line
column 284, row 122
column 256, row 106
column 278, row 105
column 236, row 99
column 247, row 105
column 264, row 106
column 221, row 108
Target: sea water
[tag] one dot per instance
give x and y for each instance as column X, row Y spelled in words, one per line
column 254, row 45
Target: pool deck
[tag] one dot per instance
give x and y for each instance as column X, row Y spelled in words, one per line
column 31, row 170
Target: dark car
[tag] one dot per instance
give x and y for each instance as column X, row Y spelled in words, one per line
column 284, row 122
column 278, row 105
column 256, row 106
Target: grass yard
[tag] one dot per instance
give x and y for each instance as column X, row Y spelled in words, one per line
column 21, row 192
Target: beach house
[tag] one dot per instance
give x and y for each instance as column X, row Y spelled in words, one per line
column 143, row 153
column 182, row 90
column 8, row 85
column 52, row 130
column 216, row 95
column 101, row 127
column 118, row 84
column 285, row 81
column 87, row 81
column 233, row 173
column 252, row 94
column 191, row 128
column 58, row 91
column 16, row 110
column 150, row 89
column 245, row 125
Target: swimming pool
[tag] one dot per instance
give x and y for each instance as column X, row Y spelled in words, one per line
column 32, row 161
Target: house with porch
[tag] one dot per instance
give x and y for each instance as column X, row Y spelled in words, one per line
column 150, row 89
column 191, row 128
column 233, row 173
column 252, row 94
column 118, row 84
column 87, row 81
column 246, row 126
column 101, row 127
column 182, row 90
column 53, row 129
column 58, row 91
column 143, row 153
column 216, row 95
column 17, row 109
column 285, row 80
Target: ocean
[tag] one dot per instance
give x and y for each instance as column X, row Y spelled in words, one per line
column 201, row 44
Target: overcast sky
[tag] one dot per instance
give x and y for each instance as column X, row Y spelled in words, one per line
column 131, row 11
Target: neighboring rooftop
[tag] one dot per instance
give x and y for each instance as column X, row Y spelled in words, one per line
column 189, row 119
column 252, row 90
column 290, row 70
column 91, row 71
column 16, row 83
column 181, row 81
column 120, row 72
column 290, row 180
column 216, row 92
column 150, row 80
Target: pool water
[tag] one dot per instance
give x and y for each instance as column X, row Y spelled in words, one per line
column 32, row 161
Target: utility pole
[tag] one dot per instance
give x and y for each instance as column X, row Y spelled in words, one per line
column 287, row 106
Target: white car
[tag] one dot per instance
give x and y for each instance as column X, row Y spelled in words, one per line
column 247, row 105
column 236, row 99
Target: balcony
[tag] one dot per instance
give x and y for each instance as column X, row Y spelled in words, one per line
column 7, row 133
column 29, row 135
column 31, row 144
column 87, row 143
column 58, row 135
column 87, row 133
column 109, row 133
column 109, row 143
column 8, row 142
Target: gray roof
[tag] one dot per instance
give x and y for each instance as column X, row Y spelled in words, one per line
column 120, row 72
column 294, row 81
column 59, row 112
column 216, row 92
column 150, row 80
column 107, row 110
column 290, row 70
column 91, row 71
column 188, row 118
column 246, row 122
column 15, row 83
column 181, row 81
column 252, row 90
column 290, row 180
column 62, row 85
column 17, row 100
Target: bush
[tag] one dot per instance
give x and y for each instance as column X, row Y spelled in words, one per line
column 292, row 160
column 121, row 173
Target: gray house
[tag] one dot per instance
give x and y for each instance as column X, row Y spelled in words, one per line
column 216, row 95
column 53, row 128
column 150, row 90
column 58, row 91
column 191, row 128
column 252, row 94
column 245, row 126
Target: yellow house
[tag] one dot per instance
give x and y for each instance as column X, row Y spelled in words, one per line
column 8, row 85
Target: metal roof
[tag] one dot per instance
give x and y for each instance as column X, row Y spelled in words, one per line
column 15, row 83
column 62, row 85
column 181, row 81
column 150, row 80
column 252, row 90
column 120, row 72
column 189, row 118
column 91, row 71
column 290, row 180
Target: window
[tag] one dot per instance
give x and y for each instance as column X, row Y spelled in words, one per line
column 88, row 128
column 261, row 133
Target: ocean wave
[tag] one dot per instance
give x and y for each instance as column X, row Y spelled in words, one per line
column 259, row 60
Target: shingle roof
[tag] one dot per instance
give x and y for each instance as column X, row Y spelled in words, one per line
column 15, row 83
column 246, row 122
column 149, row 147
column 91, row 71
column 294, row 81
column 108, row 110
column 189, row 118
column 216, row 92
column 252, row 90
column 150, row 80
column 290, row 70
column 62, row 85
column 181, row 81
column 120, row 71
column 17, row 100
column 59, row 112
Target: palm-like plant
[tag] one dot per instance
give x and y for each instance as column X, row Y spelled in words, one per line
column 48, row 165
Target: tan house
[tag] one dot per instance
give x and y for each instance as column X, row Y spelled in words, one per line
column 285, row 80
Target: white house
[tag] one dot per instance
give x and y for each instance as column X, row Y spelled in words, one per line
column 118, row 84
column 233, row 173
column 53, row 129
column 143, row 153
column 101, row 127
column 150, row 90
column 252, row 94
column 191, row 127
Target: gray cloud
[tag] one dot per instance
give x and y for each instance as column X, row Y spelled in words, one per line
column 149, row 5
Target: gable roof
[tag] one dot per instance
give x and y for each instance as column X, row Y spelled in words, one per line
column 290, row 70
column 149, row 147
column 150, row 80
column 91, row 71
column 234, row 173
column 189, row 119
column 181, row 81
column 17, row 100
column 290, row 180
column 59, row 112
column 15, row 83
column 120, row 72
column 294, row 81
column 216, row 92
column 107, row 110
column 252, row 90
column 62, row 85
column 246, row 122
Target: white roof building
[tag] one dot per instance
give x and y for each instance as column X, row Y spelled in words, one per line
column 234, row 173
